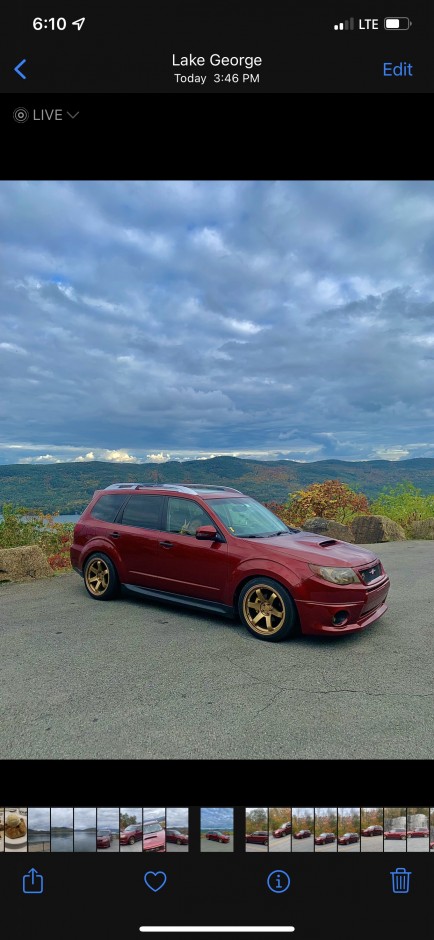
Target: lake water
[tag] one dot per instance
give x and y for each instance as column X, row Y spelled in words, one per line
column 74, row 518
column 85, row 841
column 38, row 836
column 62, row 842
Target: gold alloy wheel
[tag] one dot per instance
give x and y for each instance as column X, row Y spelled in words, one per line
column 264, row 609
column 97, row 577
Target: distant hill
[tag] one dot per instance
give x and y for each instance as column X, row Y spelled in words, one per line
column 68, row 487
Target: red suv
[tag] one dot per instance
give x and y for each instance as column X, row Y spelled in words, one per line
column 215, row 836
column 131, row 834
column 214, row 548
column 154, row 837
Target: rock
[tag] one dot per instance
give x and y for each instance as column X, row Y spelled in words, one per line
column 329, row 528
column 24, row 563
column 376, row 529
column 422, row 529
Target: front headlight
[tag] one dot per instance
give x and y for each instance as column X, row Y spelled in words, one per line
column 337, row 575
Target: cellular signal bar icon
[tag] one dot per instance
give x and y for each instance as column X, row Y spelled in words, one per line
column 347, row 24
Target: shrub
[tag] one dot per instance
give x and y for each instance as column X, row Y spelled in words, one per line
column 282, row 511
column 403, row 503
column 331, row 500
column 22, row 526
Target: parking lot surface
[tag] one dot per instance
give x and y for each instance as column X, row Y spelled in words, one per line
column 135, row 679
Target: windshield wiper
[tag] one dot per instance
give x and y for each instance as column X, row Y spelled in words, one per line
column 262, row 535
column 253, row 535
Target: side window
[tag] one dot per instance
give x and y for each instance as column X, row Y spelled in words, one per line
column 185, row 516
column 107, row 508
column 143, row 511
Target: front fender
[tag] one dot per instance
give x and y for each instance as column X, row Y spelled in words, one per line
column 262, row 567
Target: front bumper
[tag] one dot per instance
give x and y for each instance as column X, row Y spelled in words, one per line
column 364, row 605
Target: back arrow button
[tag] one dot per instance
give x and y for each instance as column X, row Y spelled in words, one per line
column 17, row 68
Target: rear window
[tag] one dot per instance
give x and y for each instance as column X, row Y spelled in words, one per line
column 107, row 508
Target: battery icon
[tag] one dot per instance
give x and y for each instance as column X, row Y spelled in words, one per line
column 397, row 22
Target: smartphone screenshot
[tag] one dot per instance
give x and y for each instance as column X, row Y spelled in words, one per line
column 78, row 63
column 196, row 870
column 216, row 556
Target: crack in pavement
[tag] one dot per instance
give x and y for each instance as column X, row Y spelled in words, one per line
column 285, row 688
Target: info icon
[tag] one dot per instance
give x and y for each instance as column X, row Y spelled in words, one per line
column 278, row 881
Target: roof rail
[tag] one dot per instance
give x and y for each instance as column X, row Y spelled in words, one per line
column 212, row 486
column 125, row 486
column 178, row 487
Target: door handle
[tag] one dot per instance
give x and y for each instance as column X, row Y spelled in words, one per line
column 115, row 535
column 166, row 544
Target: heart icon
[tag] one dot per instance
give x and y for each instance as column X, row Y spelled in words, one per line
column 155, row 880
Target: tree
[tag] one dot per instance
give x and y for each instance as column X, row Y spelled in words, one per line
column 331, row 500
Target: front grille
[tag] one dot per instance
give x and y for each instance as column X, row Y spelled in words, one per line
column 370, row 574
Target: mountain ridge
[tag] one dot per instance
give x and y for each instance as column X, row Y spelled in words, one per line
column 68, row 487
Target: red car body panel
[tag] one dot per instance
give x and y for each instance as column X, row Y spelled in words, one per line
column 173, row 835
column 129, row 834
column 372, row 831
column 348, row 838
column 395, row 834
column 284, row 830
column 214, row 571
column 217, row 837
column 103, row 842
column 302, row 834
column 418, row 833
column 154, row 837
column 257, row 838
column 325, row 838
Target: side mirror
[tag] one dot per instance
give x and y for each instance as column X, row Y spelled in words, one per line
column 206, row 532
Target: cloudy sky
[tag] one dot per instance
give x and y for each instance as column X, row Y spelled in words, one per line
column 218, row 818
column 108, row 818
column 39, row 818
column 177, row 816
column 151, row 813
column 142, row 321
column 61, row 816
column 84, row 818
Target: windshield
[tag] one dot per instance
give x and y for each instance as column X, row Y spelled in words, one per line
column 132, row 828
column 103, row 833
column 152, row 827
column 246, row 518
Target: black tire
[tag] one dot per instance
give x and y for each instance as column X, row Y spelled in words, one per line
column 132, row 841
column 279, row 618
column 100, row 577
column 178, row 842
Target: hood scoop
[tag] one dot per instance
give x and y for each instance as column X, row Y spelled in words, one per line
column 327, row 542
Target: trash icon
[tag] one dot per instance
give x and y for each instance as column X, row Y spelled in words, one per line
column 400, row 881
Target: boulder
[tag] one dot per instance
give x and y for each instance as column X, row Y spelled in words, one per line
column 23, row 563
column 422, row 529
column 376, row 529
column 329, row 528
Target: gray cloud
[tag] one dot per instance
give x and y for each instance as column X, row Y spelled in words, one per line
column 179, row 319
column 216, row 818
column 176, row 816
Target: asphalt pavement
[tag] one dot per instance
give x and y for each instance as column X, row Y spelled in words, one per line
column 135, row 679
column 208, row 845
column 280, row 845
column 371, row 844
column 303, row 845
